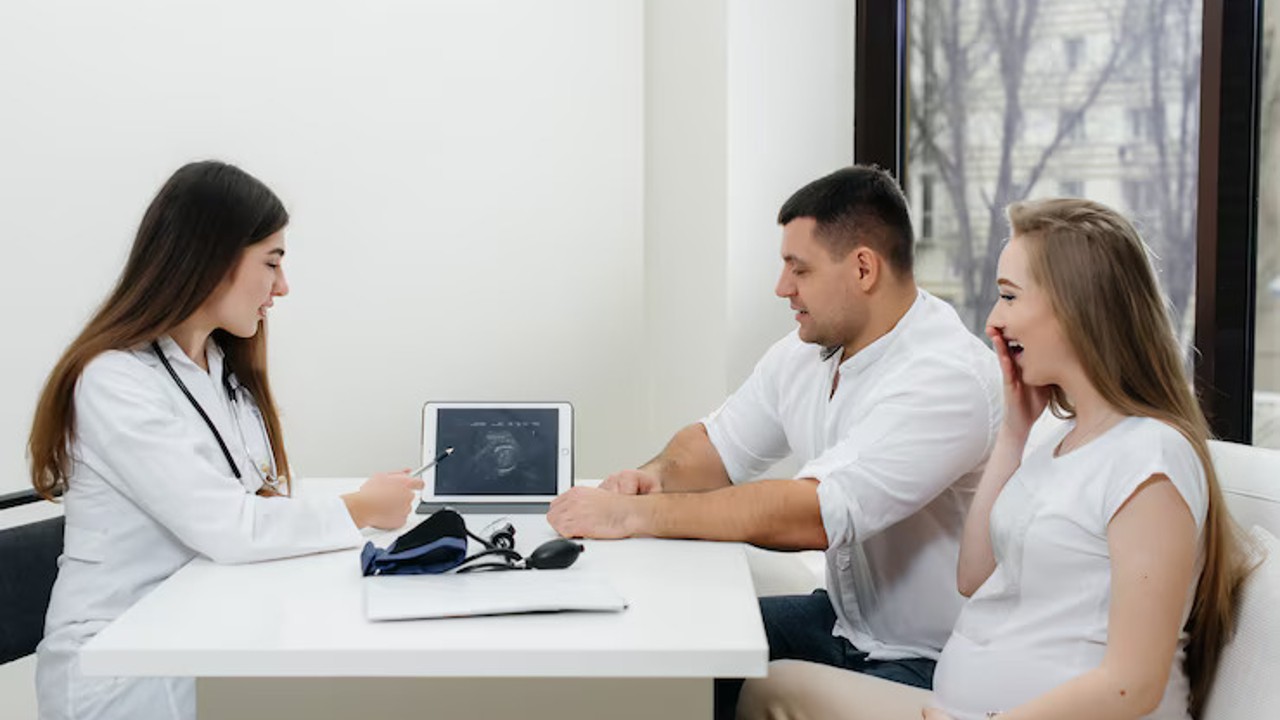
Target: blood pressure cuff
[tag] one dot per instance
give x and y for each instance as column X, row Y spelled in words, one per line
column 436, row 545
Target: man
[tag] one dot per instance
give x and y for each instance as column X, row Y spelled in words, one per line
column 892, row 405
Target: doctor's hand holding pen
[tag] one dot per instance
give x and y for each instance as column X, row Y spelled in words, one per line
column 384, row 501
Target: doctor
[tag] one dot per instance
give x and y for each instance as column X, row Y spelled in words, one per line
column 159, row 430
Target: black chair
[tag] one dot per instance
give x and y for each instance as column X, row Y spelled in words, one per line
column 28, row 565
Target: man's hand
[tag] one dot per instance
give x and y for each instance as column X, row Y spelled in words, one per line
column 594, row 513
column 632, row 482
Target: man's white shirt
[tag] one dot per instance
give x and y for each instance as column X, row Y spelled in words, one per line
column 897, row 451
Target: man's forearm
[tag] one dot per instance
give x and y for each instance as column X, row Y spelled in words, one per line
column 689, row 463
column 780, row 514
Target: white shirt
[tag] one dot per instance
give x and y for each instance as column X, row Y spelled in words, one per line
column 897, row 452
column 149, row 490
column 1041, row 618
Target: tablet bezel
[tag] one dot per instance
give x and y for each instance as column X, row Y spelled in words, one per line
column 564, row 451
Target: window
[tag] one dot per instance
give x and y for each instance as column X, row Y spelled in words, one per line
column 1140, row 196
column 1266, row 363
column 927, row 80
column 926, row 208
column 1139, row 123
column 1015, row 87
column 1071, row 125
column 1073, row 49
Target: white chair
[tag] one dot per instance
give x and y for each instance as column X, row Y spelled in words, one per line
column 1246, row 684
column 1250, row 478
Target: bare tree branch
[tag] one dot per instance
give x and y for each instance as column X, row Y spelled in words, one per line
column 1074, row 117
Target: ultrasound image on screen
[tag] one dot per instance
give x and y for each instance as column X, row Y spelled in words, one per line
column 497, row 452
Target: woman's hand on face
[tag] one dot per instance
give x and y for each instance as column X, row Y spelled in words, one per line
column 1023, row 403
column 384, row 501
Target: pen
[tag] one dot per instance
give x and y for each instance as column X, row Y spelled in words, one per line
column 447, row 452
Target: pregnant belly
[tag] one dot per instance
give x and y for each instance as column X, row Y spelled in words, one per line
column 972, row 680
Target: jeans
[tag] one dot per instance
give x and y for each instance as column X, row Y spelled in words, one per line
column 798, row 627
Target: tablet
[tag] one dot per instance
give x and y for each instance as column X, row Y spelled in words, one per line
column 507, row 456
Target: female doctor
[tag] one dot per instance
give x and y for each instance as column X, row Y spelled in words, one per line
column 159, row 430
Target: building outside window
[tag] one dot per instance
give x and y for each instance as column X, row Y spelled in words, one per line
column 1071, row 125
column 1073, row 50
column 990, row 119
column 1141, row 196
column 926, row 208
column 1139, row 123
column 1266, row 364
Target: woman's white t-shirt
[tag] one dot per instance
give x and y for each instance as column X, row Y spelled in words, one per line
column 1041, row 618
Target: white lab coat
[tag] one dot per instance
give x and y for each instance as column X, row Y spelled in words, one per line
column 150, row 490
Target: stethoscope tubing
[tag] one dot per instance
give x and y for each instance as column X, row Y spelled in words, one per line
column 155, row 347
column 231, row 393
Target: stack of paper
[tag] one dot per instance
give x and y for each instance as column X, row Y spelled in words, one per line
column 404, row 597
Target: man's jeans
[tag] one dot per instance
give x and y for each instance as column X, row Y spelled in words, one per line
column 798, row 627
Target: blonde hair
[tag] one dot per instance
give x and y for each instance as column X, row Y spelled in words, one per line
column 1101, row 286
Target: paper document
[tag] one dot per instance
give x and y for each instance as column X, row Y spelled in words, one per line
column 404, row 597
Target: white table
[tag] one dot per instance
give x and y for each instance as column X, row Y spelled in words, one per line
column 693, row 616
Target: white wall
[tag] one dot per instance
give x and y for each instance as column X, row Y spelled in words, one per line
column 465, row 180
column 686, row 188
column 790, row 79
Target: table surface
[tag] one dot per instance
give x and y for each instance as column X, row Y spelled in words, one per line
column 692, row 613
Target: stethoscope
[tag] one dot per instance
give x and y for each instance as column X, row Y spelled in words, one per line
column 232, row 389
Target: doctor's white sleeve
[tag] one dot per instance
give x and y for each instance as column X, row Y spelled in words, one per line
column 127, row 430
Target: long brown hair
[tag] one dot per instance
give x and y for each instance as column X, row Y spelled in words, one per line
column 1100, row 283
column 190, row 240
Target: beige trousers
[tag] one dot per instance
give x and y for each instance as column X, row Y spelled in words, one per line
column 798, row 690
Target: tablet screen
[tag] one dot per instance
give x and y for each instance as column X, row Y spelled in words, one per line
column 497, row 451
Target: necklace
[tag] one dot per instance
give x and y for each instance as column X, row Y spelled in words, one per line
column 1105, row 423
